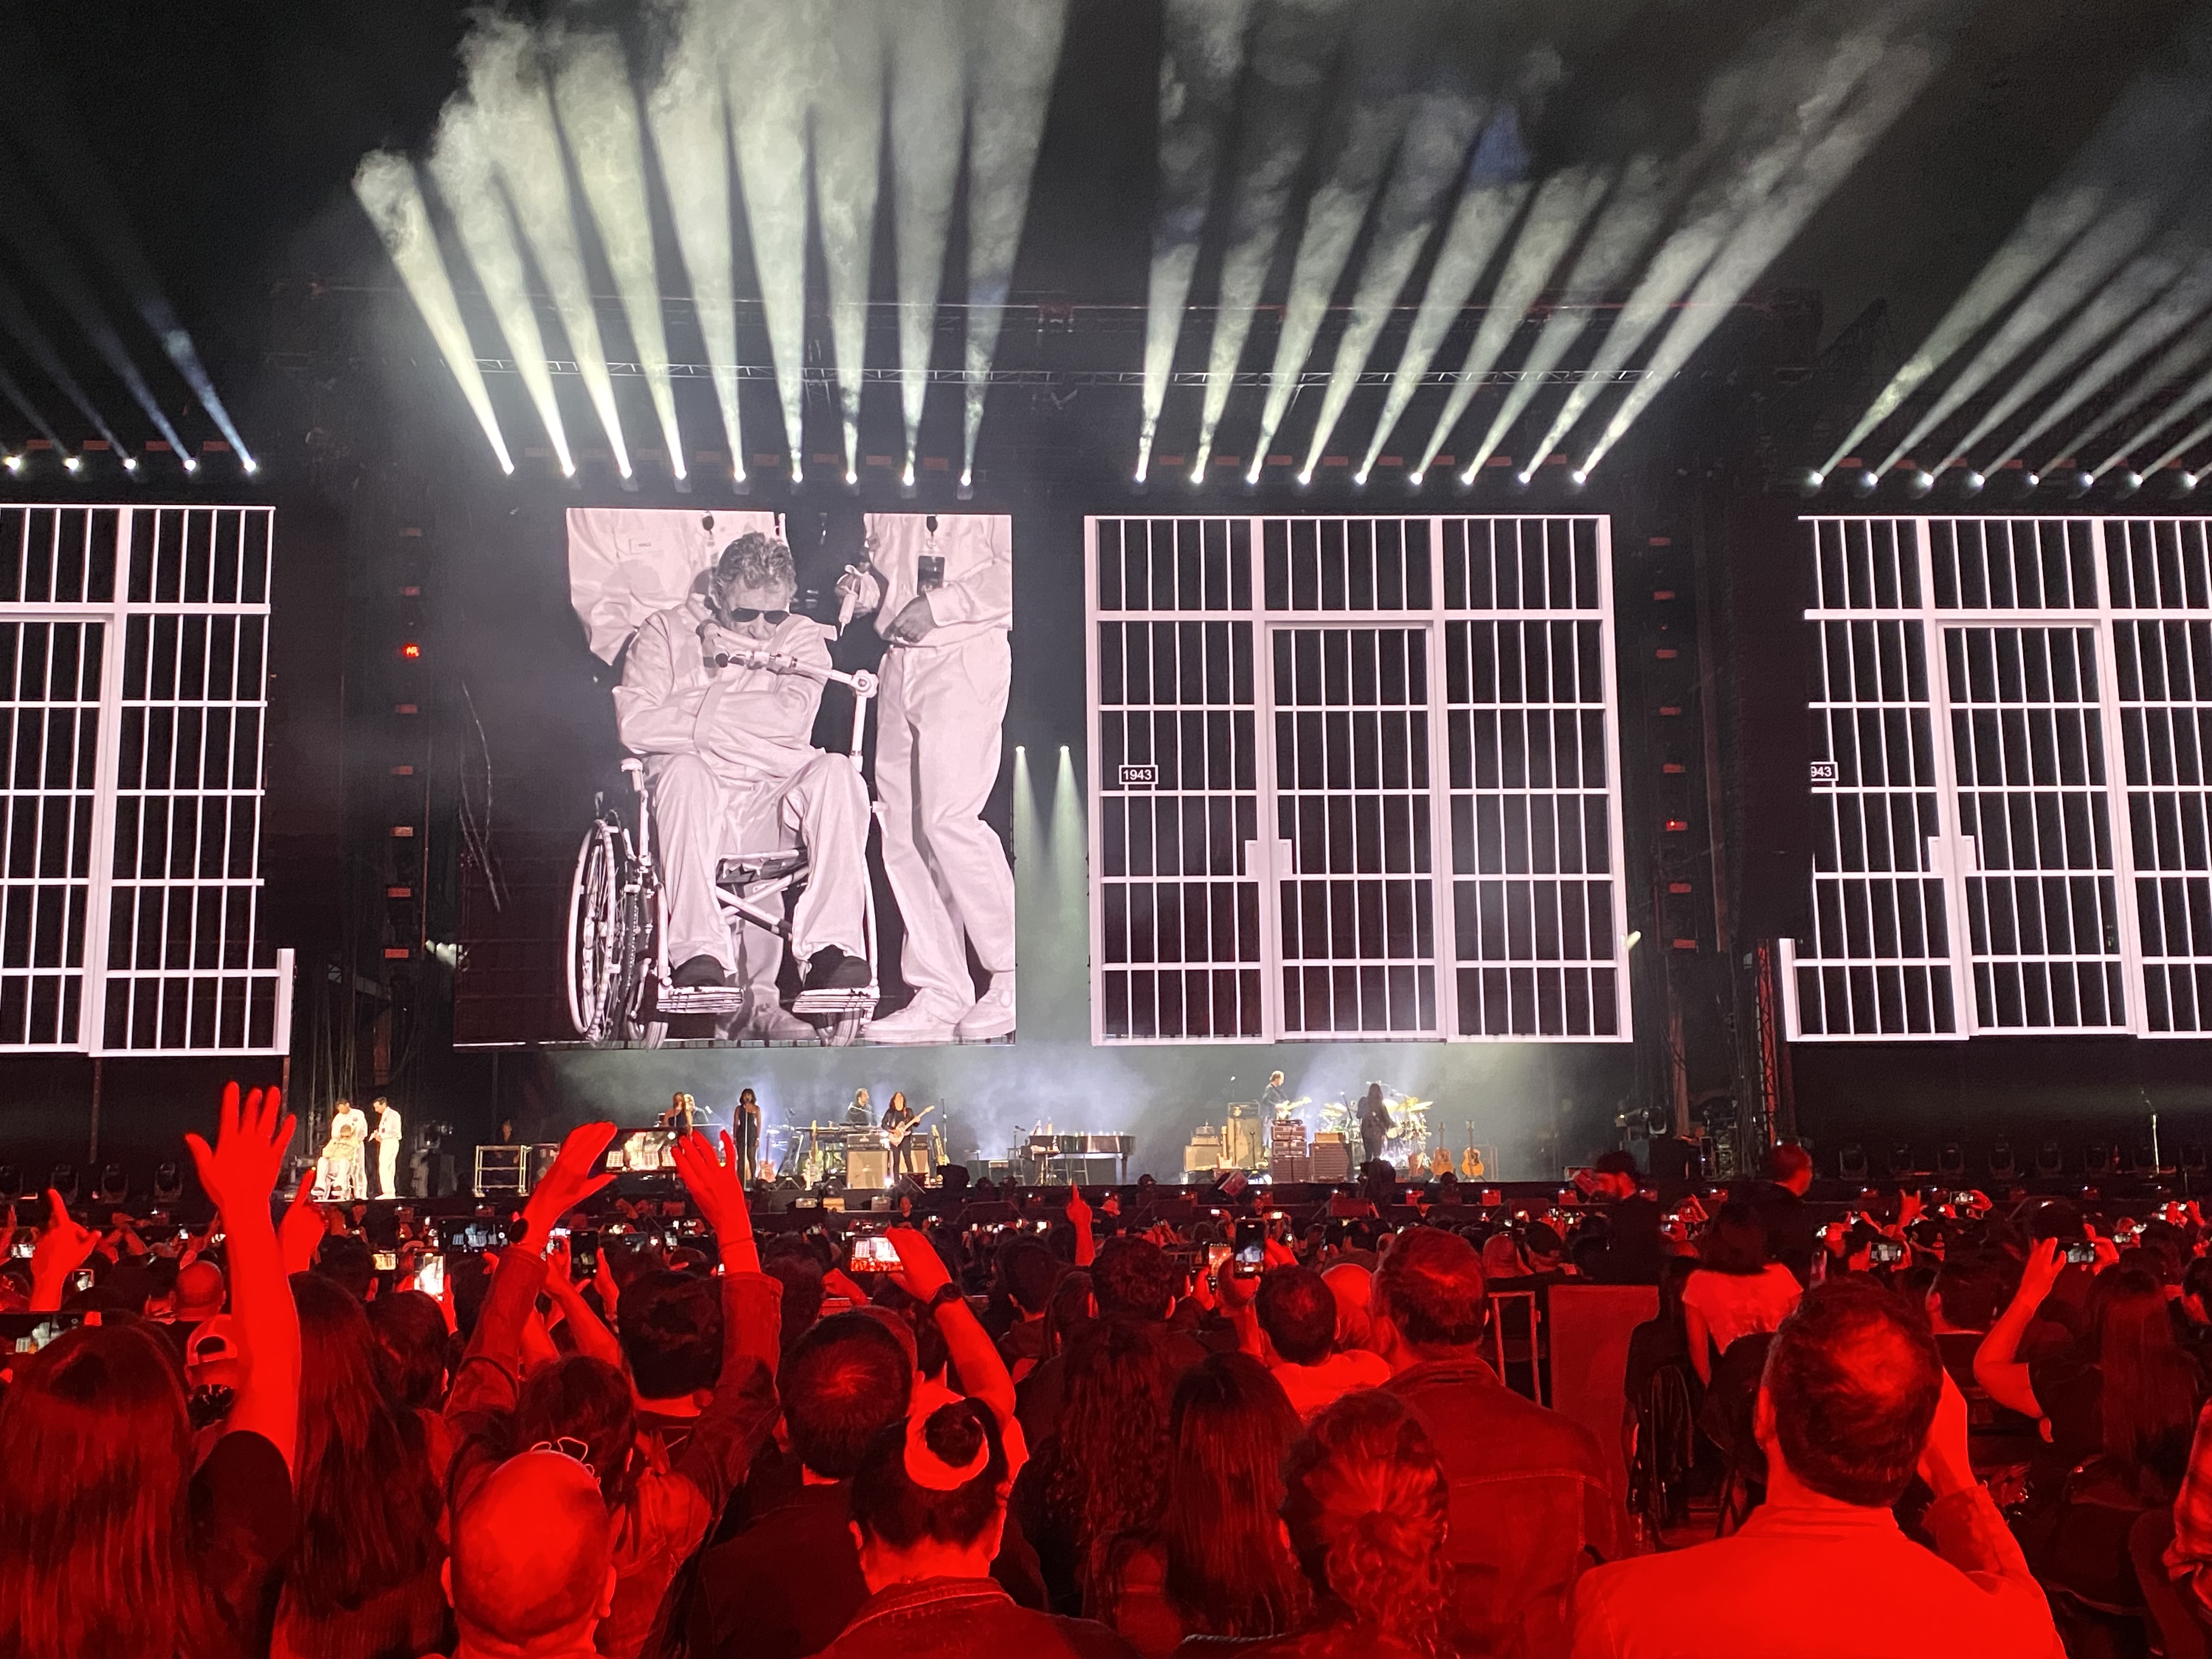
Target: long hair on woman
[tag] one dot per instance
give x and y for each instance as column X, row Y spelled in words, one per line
column 1108, row 1467
column 95, row 1554
column 367, row 1502
column 2148, row 1399
column 1365, row 1501
column 1736, row 1243
column 1069, row 1315
column 584, row 1402
column 1228, row 1569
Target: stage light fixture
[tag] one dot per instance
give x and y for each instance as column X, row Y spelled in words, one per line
column 73, row 463
column 191, row 464
column 1252, row 472
column 1815, row 477
column 251, row 466
column 1922, row 482
column 1868, row 480
column 1524, row 476
column 1197, row 472
column 1973, row 482
column 1578, row 477
column 2188, row 481
column 2130, row 483
column 168, row 1183
column 131, row 464
column 1415, row 477
column 13, row 463
column 2085, row 480
column 2033, row 479
column 906, row 478
column 852, row 478
column 1305, row 477
column 797, row 471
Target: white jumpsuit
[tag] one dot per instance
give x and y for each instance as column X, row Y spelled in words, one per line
column 730, row 756
column 944, row 702
column 387, row 1153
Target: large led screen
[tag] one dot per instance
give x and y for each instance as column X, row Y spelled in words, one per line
column 802, row 848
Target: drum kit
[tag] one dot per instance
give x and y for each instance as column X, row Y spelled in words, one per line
column 1409, row 1138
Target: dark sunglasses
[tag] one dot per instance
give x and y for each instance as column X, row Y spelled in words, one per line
column 740, row 613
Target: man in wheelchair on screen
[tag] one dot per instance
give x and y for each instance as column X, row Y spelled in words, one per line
column 713, row 700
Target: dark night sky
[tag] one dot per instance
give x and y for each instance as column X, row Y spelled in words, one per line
column 230, row 129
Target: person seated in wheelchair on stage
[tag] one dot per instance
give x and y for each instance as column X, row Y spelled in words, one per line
column 728, row 751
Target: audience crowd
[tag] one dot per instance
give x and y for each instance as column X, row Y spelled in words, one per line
column 1926, row 1427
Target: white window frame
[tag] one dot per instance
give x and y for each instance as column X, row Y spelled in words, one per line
column 113, row 617
column 1265, row 858
column 1953, row 852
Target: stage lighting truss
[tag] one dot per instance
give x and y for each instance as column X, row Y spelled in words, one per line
column 1351, row 780
column 133, row 666
column 2011, row 780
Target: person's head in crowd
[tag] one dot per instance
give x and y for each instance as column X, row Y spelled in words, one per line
column 629, row 1259
column 1501, row 1256
column 799, row 1271
column 211, row 1357
column 929, row 1500
column 1588, row 1251
column 199, row 1293
column 1107, row 1470
column 344, row 1259
column 411, row 1343
column 368, row 1504
column 1229, row 1571
column 1735, row 1243
column 468, row 1281
column 1132, row 1278
column 1966, row 1294
column 96, row 1550
column 841, row 1384
column 2148, row 1406
column 1297, row 1314
column 2196, row 1291
column 1365, row 1505
column 1850, row 1389
column 1431, row 1301
column 584, row 1407
column 1789, row 1167
column 1543, row 1247
column 1614, row 1176
column 2160, row 1248
column 1071, row 1310
column 672, row 1333
column 1352, row 1287
column 1032, row 1272
column 128, row 1287
column 533, row 1567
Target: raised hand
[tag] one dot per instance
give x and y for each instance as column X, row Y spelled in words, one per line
column 62, row 1248
column 922, row 1271
column 239, row 1172
column 715, row 1185
column 578, row 1171
column 1078, row 1212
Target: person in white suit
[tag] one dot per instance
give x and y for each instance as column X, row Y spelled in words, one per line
column 386, row 1136
column 714, row 697
column 943, row 594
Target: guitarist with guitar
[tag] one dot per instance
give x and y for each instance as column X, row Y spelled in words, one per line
column 909, row 1157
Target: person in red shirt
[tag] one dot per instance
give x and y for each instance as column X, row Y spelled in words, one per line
column 1854, row 1402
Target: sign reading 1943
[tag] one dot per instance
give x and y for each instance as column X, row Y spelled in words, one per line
column 1824, row 771
column 1140, row 777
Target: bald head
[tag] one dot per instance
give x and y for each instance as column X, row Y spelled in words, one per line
column 199, row 1291
column 532, row 1552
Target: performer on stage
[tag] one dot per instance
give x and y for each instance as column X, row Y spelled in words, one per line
column 748, row 1127
column 343, row 1175
column 386, row 1135
column 907, row 1155
column 1374, row 1122
column 1273, row 1097
column 682, row 1116
column 859, row 1115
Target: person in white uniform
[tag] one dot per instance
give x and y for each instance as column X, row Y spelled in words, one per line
column 345, row 1158
column 714, row 699
column 943, row 594
column 386, row 1136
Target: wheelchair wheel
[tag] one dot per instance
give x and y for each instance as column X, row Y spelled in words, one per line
column 601, row 951
column 644, row 918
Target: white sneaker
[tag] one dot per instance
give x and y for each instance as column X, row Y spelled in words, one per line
column 922, row 1020
column 993, row 1016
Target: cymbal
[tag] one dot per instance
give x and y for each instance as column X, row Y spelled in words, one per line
column 1410, row 1104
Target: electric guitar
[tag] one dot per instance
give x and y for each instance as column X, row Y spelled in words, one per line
column 898, row 1136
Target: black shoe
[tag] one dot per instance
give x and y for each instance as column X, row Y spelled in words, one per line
column 830, row 970
column 700, row 970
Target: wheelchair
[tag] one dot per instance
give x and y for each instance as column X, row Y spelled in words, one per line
column 619, row 985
